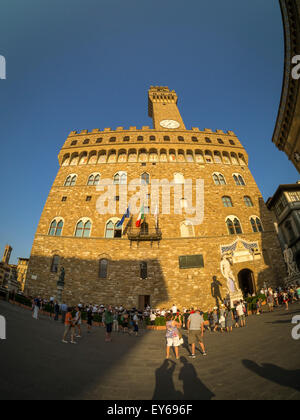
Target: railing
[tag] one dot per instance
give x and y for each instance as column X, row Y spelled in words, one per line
column 139, row 234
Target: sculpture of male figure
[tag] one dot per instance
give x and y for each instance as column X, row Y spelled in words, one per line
column 228, row 274
column 289, row 260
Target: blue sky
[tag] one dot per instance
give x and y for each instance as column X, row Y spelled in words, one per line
column 74, row 64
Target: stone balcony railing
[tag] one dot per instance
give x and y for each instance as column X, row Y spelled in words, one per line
column 139, row 234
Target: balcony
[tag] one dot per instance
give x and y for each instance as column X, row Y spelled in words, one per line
column 140, row 234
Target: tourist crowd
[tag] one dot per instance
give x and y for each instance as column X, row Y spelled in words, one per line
column 220, row 318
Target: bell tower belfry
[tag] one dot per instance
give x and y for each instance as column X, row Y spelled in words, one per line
column 162, row 108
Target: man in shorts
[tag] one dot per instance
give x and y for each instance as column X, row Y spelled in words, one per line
column 241, row 314
column 195, row 326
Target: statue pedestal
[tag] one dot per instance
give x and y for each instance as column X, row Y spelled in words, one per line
column 292, row 280
column 235, row 297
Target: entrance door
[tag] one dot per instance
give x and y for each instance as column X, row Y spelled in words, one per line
column 246, row 281
column 144, row 301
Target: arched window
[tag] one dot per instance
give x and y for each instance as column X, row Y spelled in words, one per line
column 56, row 227
column 227, row 201
column 112, row 230
column 145, row 179
column 70, row 181
column 178, row 178
column 238, row 179
column 233, row 225
column 219, row 179
column 83, row 229
column 103, row 268
column 54, row 264
column 256, row 224
column 143, row 270
column 120, row 178
column 94, row 179
column 248, row 201
column 187, row 229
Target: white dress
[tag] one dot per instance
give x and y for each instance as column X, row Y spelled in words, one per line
column 36, row 312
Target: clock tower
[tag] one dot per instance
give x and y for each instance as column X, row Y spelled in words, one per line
column 162, row 108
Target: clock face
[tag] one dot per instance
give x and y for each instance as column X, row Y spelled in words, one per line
column 169, row 124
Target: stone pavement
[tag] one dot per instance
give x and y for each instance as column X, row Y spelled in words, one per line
column 258, row 362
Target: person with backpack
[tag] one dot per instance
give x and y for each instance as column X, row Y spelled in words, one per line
column 108, row 321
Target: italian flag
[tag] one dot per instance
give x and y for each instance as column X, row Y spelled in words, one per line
column 141, row 218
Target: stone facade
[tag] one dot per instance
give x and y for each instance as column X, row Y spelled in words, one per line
column 286, row 132
column 160, row 152
column 22, row 272
column 285, row 204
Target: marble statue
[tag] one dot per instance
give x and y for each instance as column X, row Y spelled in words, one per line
column 289, row 260
column 228, row 274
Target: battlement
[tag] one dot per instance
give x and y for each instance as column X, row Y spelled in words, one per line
column 147, row 129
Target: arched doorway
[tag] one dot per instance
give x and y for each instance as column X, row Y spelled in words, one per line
column 246, row 281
